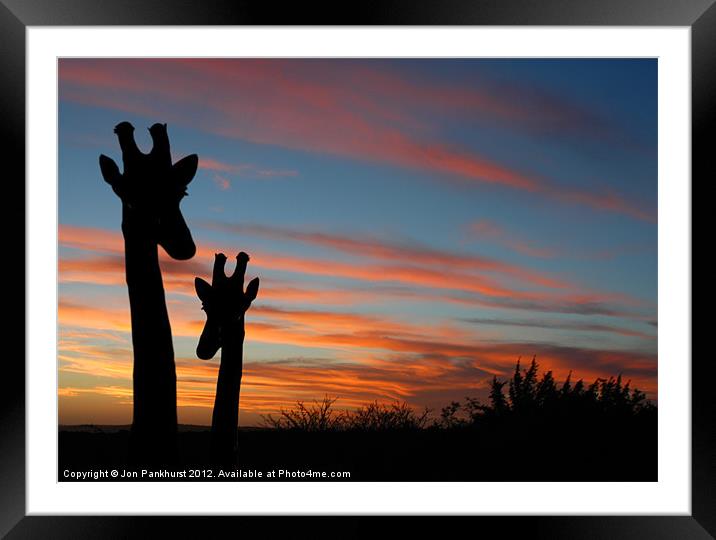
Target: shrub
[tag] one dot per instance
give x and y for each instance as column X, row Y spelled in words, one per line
column 319, row 416
column 381, row 417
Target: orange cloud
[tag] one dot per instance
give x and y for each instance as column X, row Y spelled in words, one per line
column 269, row 386
column 480, row 289
column 73, row 314
column 361, row 334
column 91, row 239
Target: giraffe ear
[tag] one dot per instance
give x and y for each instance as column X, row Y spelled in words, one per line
column 110, row 171
column 252, row 290
column 184, row 170
column 203, row 289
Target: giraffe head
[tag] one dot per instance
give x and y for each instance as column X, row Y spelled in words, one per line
column 225, row 302
column 151, row 187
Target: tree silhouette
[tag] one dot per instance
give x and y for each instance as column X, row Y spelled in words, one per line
column 528, row 396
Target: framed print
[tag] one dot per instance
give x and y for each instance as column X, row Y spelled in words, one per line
column 426, row 261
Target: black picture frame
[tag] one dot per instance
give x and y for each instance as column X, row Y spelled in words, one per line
column 16, row 15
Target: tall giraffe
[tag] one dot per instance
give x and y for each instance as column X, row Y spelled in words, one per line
column 150, row 189
column 225, row 303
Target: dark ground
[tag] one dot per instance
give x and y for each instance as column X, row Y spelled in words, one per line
column 598, row 452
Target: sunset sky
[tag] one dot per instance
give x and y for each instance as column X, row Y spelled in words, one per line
column 418, row 225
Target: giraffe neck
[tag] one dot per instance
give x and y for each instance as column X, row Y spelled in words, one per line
column 225, row 419
column 154, row 422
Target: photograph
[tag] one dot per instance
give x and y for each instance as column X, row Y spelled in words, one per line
column 357, row 269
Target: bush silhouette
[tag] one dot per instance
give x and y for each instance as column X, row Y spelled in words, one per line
column 384, row 417
column 529, row 399
column 320, row 416
column 540, row 404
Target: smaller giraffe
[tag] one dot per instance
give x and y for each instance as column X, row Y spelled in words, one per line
column 225, row 303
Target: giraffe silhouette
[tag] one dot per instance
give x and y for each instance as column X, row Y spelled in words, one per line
column 150, row 189
column 225, row 303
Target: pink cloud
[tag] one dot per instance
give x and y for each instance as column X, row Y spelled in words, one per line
column 222, row 182
column 488, row 230
column 286, row 104
column 244, row 169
